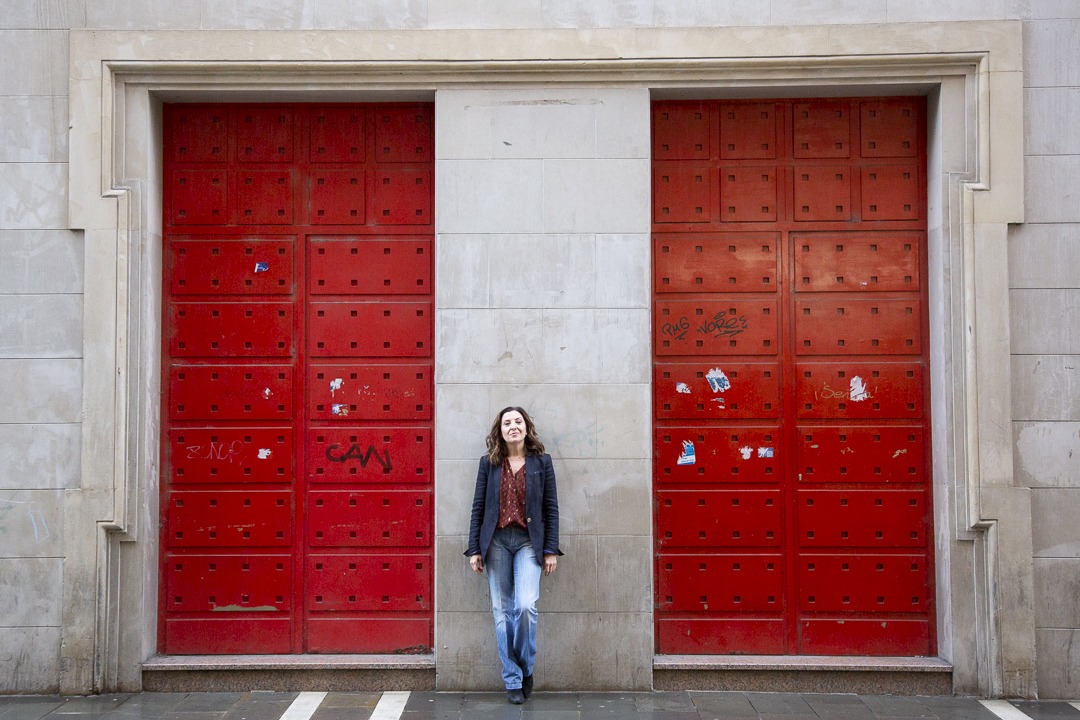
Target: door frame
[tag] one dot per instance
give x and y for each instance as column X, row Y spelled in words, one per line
column 972, row 76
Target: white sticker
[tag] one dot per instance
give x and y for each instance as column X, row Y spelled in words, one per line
column 857, row 390
column 746, row 452
column 267, row 393
column 718, row 381
column 764, row 452
column 264, row 453
column 682, row 388
column 340, row 409
column 335, row 385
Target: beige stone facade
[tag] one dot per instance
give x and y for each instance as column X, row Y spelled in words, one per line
column 542, row 148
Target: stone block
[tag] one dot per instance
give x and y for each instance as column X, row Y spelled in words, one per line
column 622, row 266
column 556, row 271
column 624, row 567
column 1046, row 130
column 462, row 422
column 596, row 196
column 1047, row 454
column 462, row 271
column 31, row 523
column 829, row 12
column 573, row 587
column 489, row 196
column 605, row 497
column 36, row 457
column 1043, row 321
column 623, row 421
column 1049, row 193
column 1055, row 532
column 594, row 651
column 575, row 14
column 30, row 660
column 455, row 481
column 36, row 261
column 1058, row 653
column 45, row 14
column 40, row 326
column 156, row 15
column 457, row 588
column 1046, row 42
column 465, row 654
column 451, row 14
column 30, row 593
column 1045, row 387
column 1044, row 256
column 565, row 417
column 40, row 391
column 1057, row 592
column 945, row 11
column 711, row 13
column 33, row 196
column 36, row 131
column 488, row 346
column 35, row 62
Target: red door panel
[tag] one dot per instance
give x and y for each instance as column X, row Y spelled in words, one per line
column 791, row 447
column 296, row 496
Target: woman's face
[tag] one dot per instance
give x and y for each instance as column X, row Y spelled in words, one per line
column 513, row 427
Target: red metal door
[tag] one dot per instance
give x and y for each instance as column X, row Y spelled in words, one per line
column 791, row 385
column 296, row 493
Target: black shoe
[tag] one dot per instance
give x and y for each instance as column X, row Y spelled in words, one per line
column 515, row 696
column 526, row 686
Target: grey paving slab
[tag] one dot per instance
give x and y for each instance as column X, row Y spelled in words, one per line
column 1052, row 710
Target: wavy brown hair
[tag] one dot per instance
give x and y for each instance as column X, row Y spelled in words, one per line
column 496, row 446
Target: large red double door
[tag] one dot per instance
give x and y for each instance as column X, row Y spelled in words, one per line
column 296, row 484
column 791, row 388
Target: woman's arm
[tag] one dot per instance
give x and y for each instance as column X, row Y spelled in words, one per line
column 477, row 517
column 550, row 509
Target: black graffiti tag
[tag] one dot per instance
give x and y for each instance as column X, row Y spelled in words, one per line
column 723, row 324
column 355, row 453
column 676, row 329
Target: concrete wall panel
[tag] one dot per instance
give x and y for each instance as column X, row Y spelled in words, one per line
column 44, row 14
column 1058, row 650
column 31, row 523
column 1044, row 322
column 1044, row 132
column 1057, row 589
column 1047, row 45
column 33, row 196
column 34, row 62
column 1045, row 387
column 30, row 658
column 41, row 133
column 28, row 595
column 596, row 196
column 1048, row 454
column 1044, row 256
column 1052, row 195
column 488, row 196
column 40, row 391
column 1056, row 534
column 40, row 326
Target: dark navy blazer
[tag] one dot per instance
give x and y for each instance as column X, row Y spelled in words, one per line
column 541, row 506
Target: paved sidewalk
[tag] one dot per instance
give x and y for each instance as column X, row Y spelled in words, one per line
column 542, row 706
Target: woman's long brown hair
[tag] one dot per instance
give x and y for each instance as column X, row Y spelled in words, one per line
column 496, row 446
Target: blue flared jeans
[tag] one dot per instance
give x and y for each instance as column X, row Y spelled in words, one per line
column 513, row 569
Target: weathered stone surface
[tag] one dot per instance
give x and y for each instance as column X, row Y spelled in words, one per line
column 1047, row 454
column 39, row 456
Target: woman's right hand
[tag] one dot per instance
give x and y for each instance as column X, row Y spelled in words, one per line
column 476, row 562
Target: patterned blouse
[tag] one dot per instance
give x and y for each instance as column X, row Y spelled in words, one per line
column 512, row 496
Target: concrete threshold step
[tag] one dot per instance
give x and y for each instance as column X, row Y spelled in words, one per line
column 285, row 673
column 804, row 673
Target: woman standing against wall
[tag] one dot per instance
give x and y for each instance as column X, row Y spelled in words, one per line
column 514, row 533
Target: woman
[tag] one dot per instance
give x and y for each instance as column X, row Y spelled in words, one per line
column 514, row 533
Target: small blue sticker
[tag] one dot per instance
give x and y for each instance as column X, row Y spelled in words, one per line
column 688, row 456
column 261, row 267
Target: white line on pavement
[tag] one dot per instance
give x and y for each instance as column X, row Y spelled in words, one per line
column 390, row 706
column 1004, row 710
column 1075, row 705
column 304, row 706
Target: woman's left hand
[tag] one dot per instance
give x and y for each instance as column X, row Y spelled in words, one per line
column 550, row 561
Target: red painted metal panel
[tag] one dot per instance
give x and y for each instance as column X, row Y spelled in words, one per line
column 861, row 518
column 859, row 262
column 859, row 389
column 732, row 518
column 806, row 329
column 229, row 518
column 877, row 454
column 748, row 194
column 230, row 392
column 720, row 390
column 387, row 583
column 748, row 131
column 369, row 392
column 230, row 455
column 718, row 455
column 715, row 263
column 891, row 192
column 861, row 583
column 822, row 193
column 265, row 197
column 722, row 635
column 821, row 129
column 264, row 135
column 229, row 583
column 268, row 207
column 243, row 330
column 682, row 193
column 735, row 326
column 371, row 329
column 721, row 583
column 199, row 197
column 369, row 455
column 337, row 135
column 682, row 132
column 232, row 267
column 373, row 518
column 338, row 197
column 887, row 636
column 849, row 326
column 378, row 266
column 373, row 633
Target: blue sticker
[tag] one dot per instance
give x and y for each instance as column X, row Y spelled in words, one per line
column 261, row 267
column 688, row 457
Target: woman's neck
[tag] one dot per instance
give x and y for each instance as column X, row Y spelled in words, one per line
column 515, row 451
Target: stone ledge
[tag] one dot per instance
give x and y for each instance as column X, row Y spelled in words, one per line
column 805, row 674
column 289, row 673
